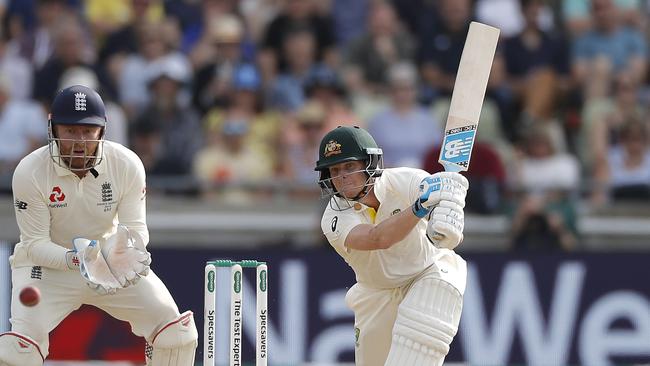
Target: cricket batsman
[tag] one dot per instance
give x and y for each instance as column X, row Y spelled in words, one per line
column 80, row 207
column 397, row 229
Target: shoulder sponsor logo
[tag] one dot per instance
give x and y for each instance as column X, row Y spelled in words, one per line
column 21, row 205
column 57, row 197
column 395, row 212
column 335, row 221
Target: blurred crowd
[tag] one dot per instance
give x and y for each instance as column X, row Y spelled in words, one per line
column 238, row 93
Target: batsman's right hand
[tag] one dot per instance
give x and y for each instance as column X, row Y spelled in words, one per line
column 440, row 186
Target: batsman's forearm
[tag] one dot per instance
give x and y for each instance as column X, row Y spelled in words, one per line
column 394, row 229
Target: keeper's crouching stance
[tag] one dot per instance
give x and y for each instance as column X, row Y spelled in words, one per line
column 397, row 229
column 80, row 207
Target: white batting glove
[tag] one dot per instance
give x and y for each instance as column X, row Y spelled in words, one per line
column 446, row 224
column 437, row 187
column 93, row 267
column 127, row 258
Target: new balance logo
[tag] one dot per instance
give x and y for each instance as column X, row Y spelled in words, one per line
column 79, row 102
column 456, row 148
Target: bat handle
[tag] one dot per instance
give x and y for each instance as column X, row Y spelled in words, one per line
column 453, row 168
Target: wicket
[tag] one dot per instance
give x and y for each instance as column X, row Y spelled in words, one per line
column 236, row 311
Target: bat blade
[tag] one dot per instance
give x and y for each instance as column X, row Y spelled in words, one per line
column 467, row 97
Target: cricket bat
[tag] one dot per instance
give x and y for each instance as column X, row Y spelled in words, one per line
column 467, row 97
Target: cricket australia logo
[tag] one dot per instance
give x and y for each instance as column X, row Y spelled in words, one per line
column 79, row 101
column 332, row 148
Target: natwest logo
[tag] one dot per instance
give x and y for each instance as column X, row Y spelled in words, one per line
column 57, row 195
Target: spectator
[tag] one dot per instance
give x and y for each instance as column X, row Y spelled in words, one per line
column 440, row 51
column 244, row 104
column 384, row 45
column 215, row 57
column 537, row 64
column 168, row 133
column 365, row 102
column 546, row 181
column 350, row 19
column 125, row 39
column 17, row 69
column 286, row 92
column 302, row 141
column 324, row 86
column 22, row 130
column 107, row 17
column 508, row 15
column 578, row 19
column 210, row 12
column 257, row 14
column 608, row 45
column 36, row 44
column 229, row 159
column 71, row 48
column 602, row 119
column 404, row 130
column 296, row 14
column 628, row 164
column 132, row 77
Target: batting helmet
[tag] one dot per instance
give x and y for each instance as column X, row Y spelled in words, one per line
column 348, row 144
column 76, row 105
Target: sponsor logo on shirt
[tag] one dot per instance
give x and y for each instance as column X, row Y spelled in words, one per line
column 395, row 212
column 21, row 205
column 57, row 197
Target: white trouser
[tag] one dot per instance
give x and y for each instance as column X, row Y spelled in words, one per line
column 146, row 306
column 376, row 310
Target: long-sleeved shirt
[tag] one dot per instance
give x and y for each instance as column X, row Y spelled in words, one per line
column 53, row 205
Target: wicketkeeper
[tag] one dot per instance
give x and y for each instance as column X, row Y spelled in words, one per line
column 80, row 207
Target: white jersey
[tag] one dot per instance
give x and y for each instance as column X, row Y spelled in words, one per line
column 53, row 205
column 396, row 189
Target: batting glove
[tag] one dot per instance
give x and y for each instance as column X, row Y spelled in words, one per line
column 437, row 187
column 446, row 225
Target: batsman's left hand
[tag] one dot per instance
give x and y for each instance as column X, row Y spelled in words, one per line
column 446, row 225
